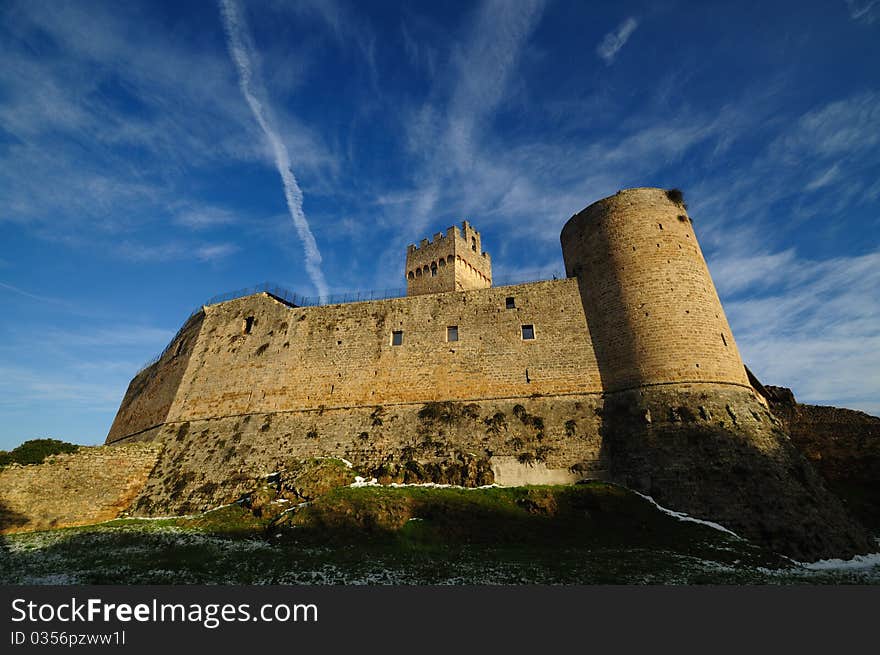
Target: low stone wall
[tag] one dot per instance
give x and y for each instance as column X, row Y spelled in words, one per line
column 91, row 485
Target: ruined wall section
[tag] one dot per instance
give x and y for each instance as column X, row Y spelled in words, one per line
column 258, row 355
column 152, row 391
column 91, row 485
column 652, row 309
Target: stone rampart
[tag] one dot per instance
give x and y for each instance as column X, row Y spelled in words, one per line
column 152, row 392
column 91, row 485
column 257, row 355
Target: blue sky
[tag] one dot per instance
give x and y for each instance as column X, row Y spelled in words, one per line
column 142, row 147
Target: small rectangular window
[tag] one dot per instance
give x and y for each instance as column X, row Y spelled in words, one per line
column 528, row 332
column 510, row 303
column 452, row 333
column 248, row 325
column 397, row 338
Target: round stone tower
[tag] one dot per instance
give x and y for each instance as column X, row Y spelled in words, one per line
column 651, row 307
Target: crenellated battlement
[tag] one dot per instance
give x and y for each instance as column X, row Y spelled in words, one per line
column 450, row 261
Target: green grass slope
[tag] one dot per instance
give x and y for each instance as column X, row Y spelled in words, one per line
column 586, row 534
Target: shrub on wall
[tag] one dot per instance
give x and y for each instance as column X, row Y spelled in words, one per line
column 35, row 451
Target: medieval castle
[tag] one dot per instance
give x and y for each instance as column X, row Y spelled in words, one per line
column 625, row 370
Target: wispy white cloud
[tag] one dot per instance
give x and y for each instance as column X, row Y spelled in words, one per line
column 141, row 252
column 864, row 11
column 822, row 161
column 824, row 179
column 612, row 42
column 734, row 272
column 205, row 217
column 484, row 66
column 27, row 294
column 447, row 136
column 109, row 126
column 20, row 386
column 240, row 49
column 215, row 251
column 842, row 127
column 810, row 324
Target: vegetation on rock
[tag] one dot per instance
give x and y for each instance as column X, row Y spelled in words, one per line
column 35, row 451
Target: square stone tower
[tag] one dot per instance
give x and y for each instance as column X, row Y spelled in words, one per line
column 453, row 261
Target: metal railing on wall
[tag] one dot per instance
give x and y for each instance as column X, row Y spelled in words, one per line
column 298, row 300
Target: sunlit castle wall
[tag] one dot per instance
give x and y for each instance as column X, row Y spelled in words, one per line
column 453, row 261
column 652, row 309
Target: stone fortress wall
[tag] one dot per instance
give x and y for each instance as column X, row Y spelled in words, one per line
column 152, row 392
column 639, row 308
column 257, row 355
column 521, row 356
column 627, row 370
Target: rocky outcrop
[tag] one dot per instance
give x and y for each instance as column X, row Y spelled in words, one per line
column 842, row 444
column 724, row 457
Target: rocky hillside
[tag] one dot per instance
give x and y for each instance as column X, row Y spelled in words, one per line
column 842, row 444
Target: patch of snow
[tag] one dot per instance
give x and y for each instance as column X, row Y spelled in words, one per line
column 681, row 516
column 348, row 464
column 372, row 482
column 437, row 485
column 858, row 562
column 305, row 503
column 155, row 518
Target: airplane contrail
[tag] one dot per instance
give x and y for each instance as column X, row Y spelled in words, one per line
column 240, row 48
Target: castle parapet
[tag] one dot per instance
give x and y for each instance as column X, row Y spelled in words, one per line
column 453, row 261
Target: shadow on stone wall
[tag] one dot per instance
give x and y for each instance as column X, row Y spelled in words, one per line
column 842, row 444
column 721, row 456
column 610, row 328
column 9, row 518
